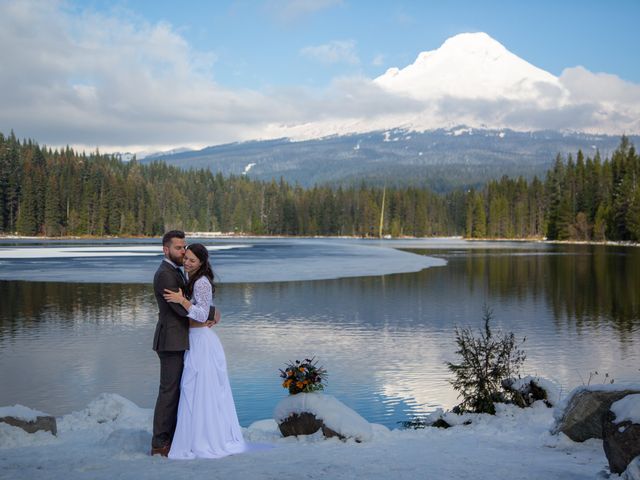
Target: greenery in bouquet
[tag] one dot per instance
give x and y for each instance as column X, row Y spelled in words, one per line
column 303, row 377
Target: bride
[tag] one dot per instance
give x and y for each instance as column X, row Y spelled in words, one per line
column 207, row 425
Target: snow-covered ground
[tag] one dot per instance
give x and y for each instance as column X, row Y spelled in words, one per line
column 110, row 439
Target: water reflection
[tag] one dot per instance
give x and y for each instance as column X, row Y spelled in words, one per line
column 584, row 284
column 384, row 340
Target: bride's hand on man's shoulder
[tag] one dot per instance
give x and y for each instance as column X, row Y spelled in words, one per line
column 173, row 297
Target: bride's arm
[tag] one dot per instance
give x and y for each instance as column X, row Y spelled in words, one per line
column 202, row 293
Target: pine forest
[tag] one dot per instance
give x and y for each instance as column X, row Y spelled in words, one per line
column 66, row 193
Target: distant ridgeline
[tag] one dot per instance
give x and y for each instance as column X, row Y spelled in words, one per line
column 62, row 192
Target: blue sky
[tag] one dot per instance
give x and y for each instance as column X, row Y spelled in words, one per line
column 259, row 44
column 150, row 75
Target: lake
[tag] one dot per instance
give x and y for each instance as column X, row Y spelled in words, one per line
column 77, row 317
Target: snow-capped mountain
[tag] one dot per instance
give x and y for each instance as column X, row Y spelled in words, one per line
column 473, row 80
column 457, row 116
column 471, row 66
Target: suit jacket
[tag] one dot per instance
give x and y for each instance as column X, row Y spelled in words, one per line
column 172, row 329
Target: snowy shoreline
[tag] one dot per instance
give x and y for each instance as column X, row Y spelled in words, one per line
column 235, row 236
column 110, row 439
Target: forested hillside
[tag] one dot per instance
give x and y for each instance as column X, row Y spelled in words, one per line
column 64, row 192
column 580, row 199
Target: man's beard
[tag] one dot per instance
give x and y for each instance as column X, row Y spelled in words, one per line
column 176, row 260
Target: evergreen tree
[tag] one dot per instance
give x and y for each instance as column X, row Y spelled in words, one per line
column 52, row 210
column 26, row 223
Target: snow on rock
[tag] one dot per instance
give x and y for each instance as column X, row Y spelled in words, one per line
column 553, row 390
column 335, row 414
column 627, row 409
column 21, row 412
column 560, row 408
column 27, row 419
column 582, row 414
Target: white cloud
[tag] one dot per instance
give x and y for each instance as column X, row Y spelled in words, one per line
column 117, row 82
column 584, row 84
column 336, row 51
column 104, row 80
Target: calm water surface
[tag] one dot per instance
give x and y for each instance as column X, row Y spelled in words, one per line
column 384, row 339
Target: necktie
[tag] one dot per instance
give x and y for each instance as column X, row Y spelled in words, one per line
column 184, row 280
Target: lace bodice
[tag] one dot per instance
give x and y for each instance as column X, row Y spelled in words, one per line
column 201, row 300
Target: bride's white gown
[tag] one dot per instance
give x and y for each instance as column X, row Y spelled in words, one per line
column 207, row 424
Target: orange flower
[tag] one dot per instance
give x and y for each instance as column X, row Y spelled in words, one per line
column 306, row 382
column 301, row 369
column 299, row 384
column 286, row 383
column 290, row 373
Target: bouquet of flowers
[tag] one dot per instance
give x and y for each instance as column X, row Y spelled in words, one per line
column 304, row 376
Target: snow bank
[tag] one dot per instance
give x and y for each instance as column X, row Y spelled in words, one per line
column 627, row 409
column 335, row 414
column 111, row 438
column 107, row 409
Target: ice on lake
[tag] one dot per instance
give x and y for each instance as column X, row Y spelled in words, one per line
column 253, row 261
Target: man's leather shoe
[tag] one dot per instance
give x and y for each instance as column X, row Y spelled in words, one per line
column 163, row 451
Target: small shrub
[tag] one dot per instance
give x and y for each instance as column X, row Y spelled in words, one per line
column 486, row 361
column 605, row 380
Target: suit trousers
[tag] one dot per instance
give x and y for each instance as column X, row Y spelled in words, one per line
column 166, row 412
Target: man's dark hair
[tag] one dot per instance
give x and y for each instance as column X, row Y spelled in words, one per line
column 167, row 237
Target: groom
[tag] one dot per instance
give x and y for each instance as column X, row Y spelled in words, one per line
column 170, row 340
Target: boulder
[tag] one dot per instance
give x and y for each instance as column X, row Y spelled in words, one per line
column 306, row 413
column 305, row 424
column 45, row 423
column 621, row 433
column 582, row 415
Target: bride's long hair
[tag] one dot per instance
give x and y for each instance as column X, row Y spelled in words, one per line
column 205, row 269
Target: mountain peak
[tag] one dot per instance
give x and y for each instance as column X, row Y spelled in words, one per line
column 473, row 43
column 472, row 66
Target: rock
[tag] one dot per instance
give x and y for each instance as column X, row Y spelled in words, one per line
column 440, row 423
column 525, row 392
column 305, row 424
column 45, row 423
column 300, row 424
column 633, row 470
column 306, row 413
column 582, row 416
column 621, row 442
